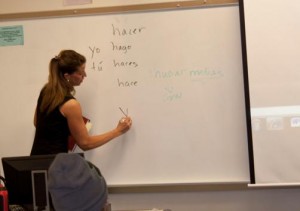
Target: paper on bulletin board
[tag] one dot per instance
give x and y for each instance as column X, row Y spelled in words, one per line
column 76, row 2
column 11, row 35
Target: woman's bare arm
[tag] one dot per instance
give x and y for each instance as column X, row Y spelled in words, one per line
column 72, row 111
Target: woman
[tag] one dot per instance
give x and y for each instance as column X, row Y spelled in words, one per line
column 58, row 114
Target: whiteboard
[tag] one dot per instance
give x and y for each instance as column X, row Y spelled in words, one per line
column 179, row 74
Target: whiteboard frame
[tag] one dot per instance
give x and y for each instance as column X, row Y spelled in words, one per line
column 115, row 9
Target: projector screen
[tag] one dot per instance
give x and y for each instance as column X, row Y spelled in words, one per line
column 271, row 51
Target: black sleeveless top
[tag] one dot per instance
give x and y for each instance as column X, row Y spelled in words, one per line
column 52, row 131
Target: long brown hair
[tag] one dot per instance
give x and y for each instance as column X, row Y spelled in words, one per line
column 57, row 88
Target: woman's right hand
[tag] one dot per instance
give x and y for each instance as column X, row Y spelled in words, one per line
column 124, row 124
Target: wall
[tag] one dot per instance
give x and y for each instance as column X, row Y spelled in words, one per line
column 250, row 200
column 15, row 6
column 213, row 200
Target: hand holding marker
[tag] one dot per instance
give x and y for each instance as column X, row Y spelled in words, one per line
column 125, row 120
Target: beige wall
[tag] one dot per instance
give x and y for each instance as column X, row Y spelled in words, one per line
column 15, row 6
column 250, row 200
